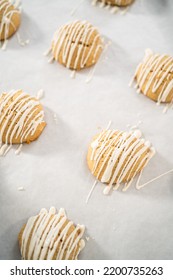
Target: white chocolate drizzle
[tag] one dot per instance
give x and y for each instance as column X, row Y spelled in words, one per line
column 40, row 94
column 6, row 19
column 16, row 3
column 47, row 52
column 153, row 65
column 135, row 126
column 67, row 38
column 49, row 234
column 95, row 183
column 25, row 107
column 129, row 150
column 21, row 41
column 91, row 191
column 93, row 69
column 138, row 186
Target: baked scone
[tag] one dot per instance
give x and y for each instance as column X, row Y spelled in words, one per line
column 154, row 77
column 10, row 19
column 77, row 45
column 115, row 157
column 21, row 118
column 51, row 236
column 120, row 3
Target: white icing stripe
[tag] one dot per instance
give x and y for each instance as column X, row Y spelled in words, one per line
column 138, row 186
column 69, row 36
column 154, row 65
column 23, row 122
column 50, row 235
column 6, row 21
column 123, row 151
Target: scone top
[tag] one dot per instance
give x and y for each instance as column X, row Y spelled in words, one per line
column 10, row 19
column 115, row 157
column 77, row 45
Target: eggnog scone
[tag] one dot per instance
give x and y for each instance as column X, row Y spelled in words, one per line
column 21, row 119
column 10, row 19
column 77, row 45
column 115, row 157
column 154, row 77
column 51, row 236
column 117, row 2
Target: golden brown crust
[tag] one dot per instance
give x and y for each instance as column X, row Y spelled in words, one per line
column 9, row 126
column 130, row 174
column 88, row 50
column 15, row 20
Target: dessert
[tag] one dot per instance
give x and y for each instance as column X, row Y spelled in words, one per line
column 21, row 119
column 154, row 77
column 115, row 157
column 77, row 45
column 10, row 19
column 51, row 236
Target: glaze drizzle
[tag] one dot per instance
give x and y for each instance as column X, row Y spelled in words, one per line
column 18, row 124
column 51, row 236
column 69, row 36
column 6, row 18
column 124, row 150
column 155, row 64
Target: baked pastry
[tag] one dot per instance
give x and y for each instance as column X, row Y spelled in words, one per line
column 51, row 236
column 115, row 157
column 77, row 45
column 120, row 3
column 154, row 77
column 10, row 19
column 21, row 119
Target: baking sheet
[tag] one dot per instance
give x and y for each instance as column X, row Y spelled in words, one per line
column 53, row 170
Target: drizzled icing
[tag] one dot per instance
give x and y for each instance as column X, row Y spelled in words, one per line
column 118, row 156
column 147, row 72
column 19, row 117
column 71, row 41
column 6, row 20
column 51, row 236
column 92, row 71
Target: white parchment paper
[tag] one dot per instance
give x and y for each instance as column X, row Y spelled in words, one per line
column 53, row 170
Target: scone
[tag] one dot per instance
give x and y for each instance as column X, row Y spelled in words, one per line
column 21, row 118
column 120, row 3
column 154, row 77
column 10, row 19
column 115, row 157
column 51, row 236
column 77, row 45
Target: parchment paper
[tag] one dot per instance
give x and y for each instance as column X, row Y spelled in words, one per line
column 53, row 170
